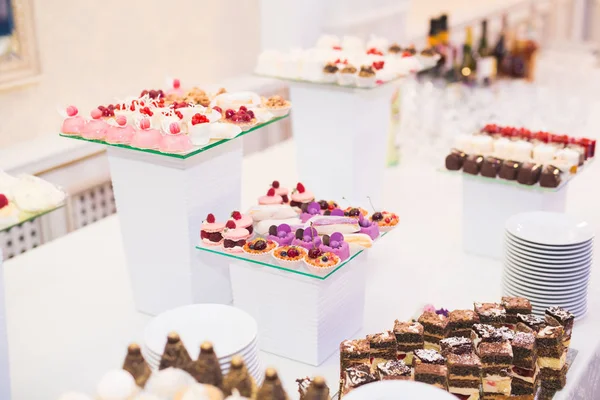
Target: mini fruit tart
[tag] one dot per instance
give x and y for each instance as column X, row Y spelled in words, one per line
column 277, row 105
column 385, row 220
column 259, row 248
column 355, row 212
column 321, row 262
column 289, row 256
column 242, row 118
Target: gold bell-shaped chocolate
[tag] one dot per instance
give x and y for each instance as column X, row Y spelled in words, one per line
column 239, row 379
column 271, row 388
column 206, row 369
column 317, row 390
column 136, row 365
column 175, row 355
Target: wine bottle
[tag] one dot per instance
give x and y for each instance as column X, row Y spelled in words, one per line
column 444, row 32
column 468, row 66
column 518, row 62
column 500, row 49
column 486, row 63
column 432, row 39
column 530, row 45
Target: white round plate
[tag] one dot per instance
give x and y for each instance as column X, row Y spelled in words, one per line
column 398, row 390
column 550, row 293
column 251, row 348
column 547, row 259
column 547, row 271
column 516, row 275
column 546, row 275
column 543, row 296
column 548, row 267
column 548, row 249
column 549, row 228
column 228, row 328
column 559, row 290
column 247, row 356
column 545, row 303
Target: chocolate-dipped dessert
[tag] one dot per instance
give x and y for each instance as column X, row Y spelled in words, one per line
column 317, row 390
column 490, row 167
column 509, row 170
column 550, row 177
column 239, row 379
column 271, row 388
column 455, row 160
column 529, row 173
column 206, row 369
column 136, row 365
column 175, row 355
column 472, row 164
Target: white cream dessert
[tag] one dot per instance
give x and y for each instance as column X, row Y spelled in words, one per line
column 503, row 148
column 544, row 153
column 9, row 213
column 482, row 144
column 566, row 159
column 33, row 194
column 116, row 385
column 522, row 151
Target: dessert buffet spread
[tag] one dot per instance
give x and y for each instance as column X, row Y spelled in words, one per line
column 25, row 197
column 179, row 377
column 495, row 350
column 520, row 155
column 177, row 121
column 349, row 61
column 294, row 231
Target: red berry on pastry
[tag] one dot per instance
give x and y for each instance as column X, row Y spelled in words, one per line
column 210, row 218
column 250, row 113
column 145, row 123
column 96, row 113
column 179, row 114
column 271, row 192
column 243, row 108
column 219, row 109
column 121, row 120
column 72, row 111
column 230, row 224
column 176, row 83
column 387, row 220
column 300, row 187
column 174, row 128
column 314, row 253
column 378, row 64
column 275, row 184
column 3, row 201
column 229, row 113
column 236, row 215
column 292, row 253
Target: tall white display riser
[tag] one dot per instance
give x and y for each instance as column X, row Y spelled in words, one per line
column 161, row 203
column 301, row 318
column 341, row 137
column 488, row 205
column 4, row 360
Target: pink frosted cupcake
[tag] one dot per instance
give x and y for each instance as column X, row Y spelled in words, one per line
column 281, row 234
column 243, row 221
column 234, row 238
column 73, row 124
column 307, row 238
column 270, row 199
column 174, row 141
column 301, row 196
column 211, row 232
column 120, row 134
column 146, row 138
column 96, row 128
column 335, row 244
column 281, row 191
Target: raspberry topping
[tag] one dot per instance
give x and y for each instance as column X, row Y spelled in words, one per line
column 72, row 111
column 145, row 123
column 176, row 83
column 300, row 188
column 96, row 113
column 230, row 224
column 174, row 128
column 236, row 215
column 210, row 218
column 121, row 120
column 199, row 119
column 275, row 184
column 271, row 192
column 3, row 201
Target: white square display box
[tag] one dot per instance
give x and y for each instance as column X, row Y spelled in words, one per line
column 488, row 203
column 341, row 137
column 161, row 202
column 300, row 317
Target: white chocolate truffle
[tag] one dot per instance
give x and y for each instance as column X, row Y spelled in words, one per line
column 521, row 151
column 482, row 144
column 117, row 384
column 168, row 382
column 74, row 396
column 544, row 153
column 328, row 41
column 464, row 143
column 565, row 159
column 503, row 148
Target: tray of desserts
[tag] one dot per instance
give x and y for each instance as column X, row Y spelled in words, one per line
column 520, row 157
column 176, row 122
column 348, row 62
column 26, row 197
column 296, row 233
column 490, row 351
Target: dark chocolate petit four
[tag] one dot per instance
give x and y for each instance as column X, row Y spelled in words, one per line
column 354, row 352
column 464, row 374
column 562, row 317
column 529, row 173
column 428, row 356
column 491, row 313
column 383, row 346
column 524, row 371
column 434, row 326
column 460, row 323
column 356, row 376
column 550, row 177
column 531, row 321
column 393, row 370
column 490, row 167
column 509, row 170
column 456, row 345
column 472, row 164
column 514, row 306
column 409, row 336
column 433, row 374
column 455, row 160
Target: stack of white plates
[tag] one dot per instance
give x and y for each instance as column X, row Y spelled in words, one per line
column 230, row 330
column 548, row 259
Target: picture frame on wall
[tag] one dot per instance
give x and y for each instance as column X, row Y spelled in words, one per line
column 19, row 57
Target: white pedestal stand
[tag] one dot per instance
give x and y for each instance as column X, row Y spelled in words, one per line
column 341, row 137
column 301, row 318
column 4, row 360
column 488, row 205
column 161, row 203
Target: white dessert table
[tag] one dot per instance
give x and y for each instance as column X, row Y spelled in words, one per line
column 4, row 359
column 71, row 313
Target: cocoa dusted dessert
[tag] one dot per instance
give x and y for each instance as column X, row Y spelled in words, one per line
column 395, row 49
column 529, row 173
column 428, row 356
column 433, row 374
column 409, row 336
column 136, row 365
column 524, row 371
column 383, row 347
column 393, row 370
column 496, row 360
column 366, row 71
column 483, row 333
column 460, row 323
column 356, row 376
column 509, row 170
column 472, row 164
column 550, row 177
column 455, row 160
column 531, row 321
column 348, row 69
column 354, row 352
column 464, row 375
column 175, row 354
column 330, row 68
column 552, row 357
column 560, row 316
column 491, row 313
column 514, row 306
column 490, row 167
column 456, row 345
column 434, row 326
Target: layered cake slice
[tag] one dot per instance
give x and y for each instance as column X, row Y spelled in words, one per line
column 434, row 326
column 393, row 370
column 456, row 345
column 409, row 336
column 428, row 356
column 460, row 323
column 464, row 375
column 383, row 347
column 356, row 376
column 432, row 374
column 514, row 306
column 354, row 352
column 491, row 313
column 530, row 323
column 552, row 357
column 524, row 370
column 560, row 316
column 483, row 333
column 496, row 360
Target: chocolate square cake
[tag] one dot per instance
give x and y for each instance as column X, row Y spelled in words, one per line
column 553, row 379
column 550, row 177
column 356, row 376
column 455, row 160
column 497, row 355
column 490, row 334
column 464, row 374
column 354, row 352
column 524, row 370
column 409, row 336
column 564, row 318
column 460, row 323
column 551, row 352
column 531, row 321
column 434, row 326
column 432, row 374
column 428, row 356
column 383, row 346
column 491, row 313
column 509, row 170
column 472, row 164
column 393, row 370
column 529, row 173
column 456, row 345
column 490, row 167
column 514, row 306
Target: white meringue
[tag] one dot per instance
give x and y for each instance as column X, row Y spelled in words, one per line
column 168, row 382
column 117, row 384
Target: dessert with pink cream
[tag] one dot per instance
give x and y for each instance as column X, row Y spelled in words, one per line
column 174, row 141
column 243, row 221
column 234, row 238
column 281, row 191
column 96, row 128
column 270, row 198
column 145, row 137
column 120, row 134
column 211, row 232
column 301, row 196
column 73, row 124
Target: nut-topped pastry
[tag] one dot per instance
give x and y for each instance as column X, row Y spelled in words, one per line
column 460, row 323
column 393, row 370
column 409, row 336
column 175, row 354
column 136, row 365
column 271, row 389
column 562, row 317
column 366, row 76
column 434, row 326
column 239, row 379
column 491, row 313
column 354, row 352
column 330, row 71
column 456, row 345
column 206, row 369
column 514, row 306
column 347, row 75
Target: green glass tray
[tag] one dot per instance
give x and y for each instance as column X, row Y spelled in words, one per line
column 270, row 263
column 27, row 216
column 180, row 156
column 335, row 84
